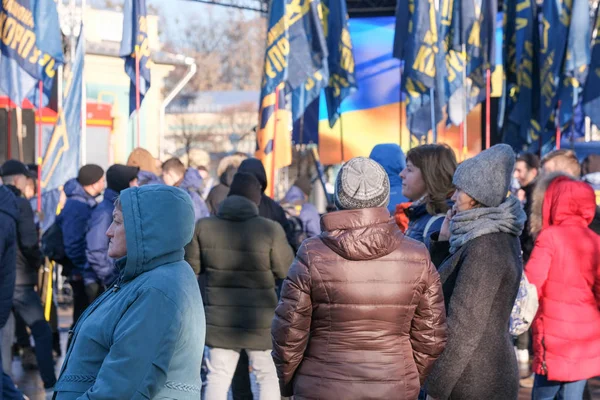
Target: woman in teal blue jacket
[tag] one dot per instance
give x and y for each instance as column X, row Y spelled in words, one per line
column 144, row 337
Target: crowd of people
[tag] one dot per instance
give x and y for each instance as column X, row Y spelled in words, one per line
column 190, row 287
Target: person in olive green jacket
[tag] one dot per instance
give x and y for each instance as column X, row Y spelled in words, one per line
column 241, row 255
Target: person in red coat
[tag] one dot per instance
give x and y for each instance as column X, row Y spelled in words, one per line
column 565, row 268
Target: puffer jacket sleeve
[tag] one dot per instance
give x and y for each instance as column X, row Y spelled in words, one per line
column 192, row 251
column 97, row 247
column 538, row 266
column 74, row 229
column 282, row 254
column 476, row 287
column 428, row 332
column 291, row 325
column 143, row 344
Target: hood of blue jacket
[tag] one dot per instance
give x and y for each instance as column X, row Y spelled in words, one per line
column 74, row 190
column 294, row 195
column 148, row 178
column 390, row 156
column 192, row 180
column 159, row 222
column 8, row 203
column 392, row 159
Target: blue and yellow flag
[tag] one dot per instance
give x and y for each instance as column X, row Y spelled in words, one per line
column 308, row 71
column 473, row 30
column 31, row 46
column 591, row 91
column 576, row 62
column 273, row 138
column 556, row 19
column 342, row 81
column 520, row 49
column 61, row 149
column 424, row 65
column 296, row 66
column 135, row 44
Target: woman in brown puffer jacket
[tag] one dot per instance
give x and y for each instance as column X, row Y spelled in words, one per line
column 361, row 314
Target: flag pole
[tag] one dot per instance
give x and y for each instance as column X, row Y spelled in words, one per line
column 83, row 143
column 137, row 94
column 341, row 134
column 400, row 107
column 464, row 126
column 558, row 130
column 488, row 108
column 39, row 147
column 433, row 127
column 275, row 123
column 9, row 130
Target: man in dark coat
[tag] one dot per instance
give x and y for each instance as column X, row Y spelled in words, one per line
column 269, row 209
column 241, row 254
column 9, row 215
column 26, row 301
column 100, row 271
column 73, row 221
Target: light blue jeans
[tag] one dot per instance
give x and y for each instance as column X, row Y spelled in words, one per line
column 220, row 365
column 543, row 389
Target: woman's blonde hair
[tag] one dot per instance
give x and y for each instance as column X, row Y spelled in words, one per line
column 437, row 163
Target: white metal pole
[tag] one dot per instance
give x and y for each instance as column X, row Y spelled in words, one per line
column 191, row 72
column 83, row 144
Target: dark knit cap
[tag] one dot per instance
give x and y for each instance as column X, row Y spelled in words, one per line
column 246, row 185
column 304, row 184
column 487, row 176
column 89, row 174
column 119, row 176
column 362, row 183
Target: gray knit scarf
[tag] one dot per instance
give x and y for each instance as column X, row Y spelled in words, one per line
column 509, row 217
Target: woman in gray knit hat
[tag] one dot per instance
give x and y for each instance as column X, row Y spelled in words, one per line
column 481, row 267
column 361, row 314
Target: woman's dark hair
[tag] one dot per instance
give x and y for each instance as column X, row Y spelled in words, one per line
column 437, row 163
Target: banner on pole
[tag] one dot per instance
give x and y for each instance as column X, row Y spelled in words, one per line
column 424, row 64
column 273, row 138
column 31, row 48
column 61, row 149
column 556, row 20
column 591, row 91
column 135, row 44
column 342, row 80
column 520, row 49
column 308, row 72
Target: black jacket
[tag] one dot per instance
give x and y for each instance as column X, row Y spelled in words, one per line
column 29, row 256
column 241, row 256
column 268, row 208
column 480, row 283
column 527, row 241
column 9, row 214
